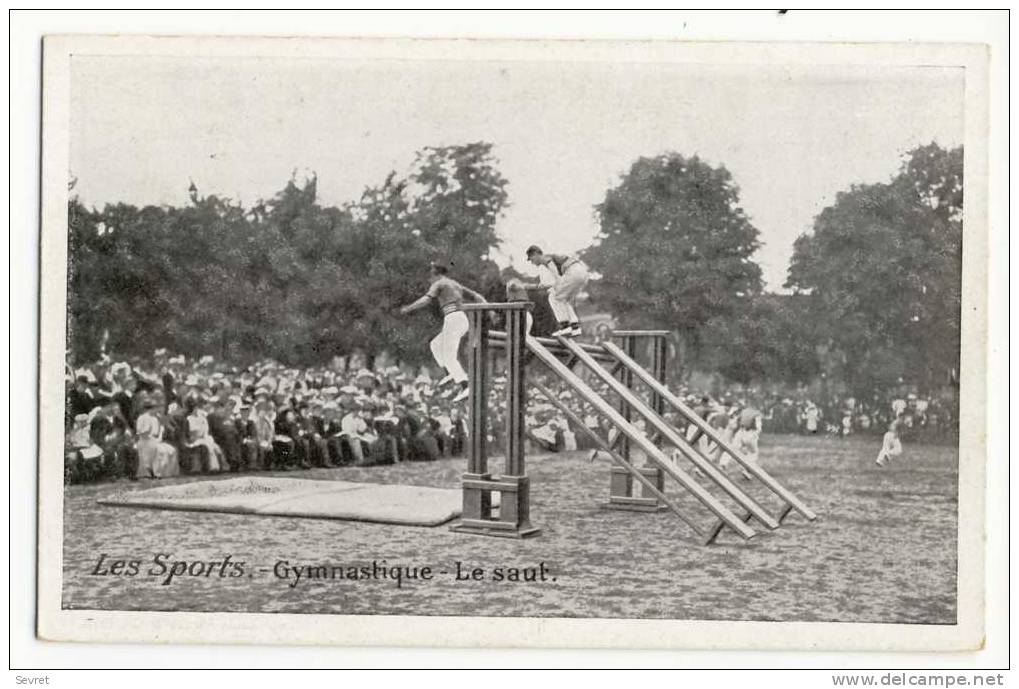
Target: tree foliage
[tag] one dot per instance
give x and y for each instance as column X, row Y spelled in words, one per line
column 287, row 278
column 877, row 282
column 883, row 270
column 675, row 248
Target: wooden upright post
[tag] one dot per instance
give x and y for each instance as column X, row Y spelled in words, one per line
column 659, row 356
column 477, row 503
column 513, row 520
column 621, row 484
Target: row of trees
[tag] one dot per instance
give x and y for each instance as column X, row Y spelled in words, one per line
column 288, row 278
column 876, row 283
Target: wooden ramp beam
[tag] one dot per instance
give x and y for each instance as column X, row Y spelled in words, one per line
column 673, row 436
column 652, row 452
column 691, row 416
column 616, row 457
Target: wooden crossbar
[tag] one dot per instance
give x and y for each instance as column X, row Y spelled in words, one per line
column 553, row 345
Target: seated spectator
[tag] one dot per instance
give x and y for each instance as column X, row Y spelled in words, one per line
column 110, row 431
column 83, row 458
column 313, row 424
column 457, row 432
column 246, row 422
column 127, row 399
column 332, row 431
column 206, row 455
column 547, row 434
column 425, row 445
column 288, row 442
column 81, row 399
column 265, row 432
column 355, row 433
column 156, row 459
column 223, row 429
column 385, row 449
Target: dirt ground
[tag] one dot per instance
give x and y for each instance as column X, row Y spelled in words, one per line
column 883, row 549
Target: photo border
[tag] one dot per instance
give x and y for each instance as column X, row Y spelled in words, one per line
column 55, row 623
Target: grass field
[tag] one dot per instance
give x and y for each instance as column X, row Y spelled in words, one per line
column 882, row 550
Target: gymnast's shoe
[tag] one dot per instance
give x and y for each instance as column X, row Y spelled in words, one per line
column 464, row 392
column 445, row 381
column 568, row 331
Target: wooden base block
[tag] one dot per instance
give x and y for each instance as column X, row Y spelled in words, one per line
column 651, row 506
column 522, row 532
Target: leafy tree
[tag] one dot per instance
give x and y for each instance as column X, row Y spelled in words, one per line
column 459, row 196
column 772, row 339
column 675, row 248
column 288, row 278
column 883, row 268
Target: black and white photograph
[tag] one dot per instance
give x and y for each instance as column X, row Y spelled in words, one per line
column 445, row 342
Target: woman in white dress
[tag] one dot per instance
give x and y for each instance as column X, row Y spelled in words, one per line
column 198, row 434
column 156, row 459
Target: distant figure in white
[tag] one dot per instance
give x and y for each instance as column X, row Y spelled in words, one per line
column 449, row 295
column 891, row 446
column 749, row 424
column 570, row 278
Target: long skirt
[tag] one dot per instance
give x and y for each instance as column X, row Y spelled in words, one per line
column 156, row 459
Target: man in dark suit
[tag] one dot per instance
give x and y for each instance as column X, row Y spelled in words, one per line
column 80, row 399
column 224, row 432
column 109, row 431
column 313, row 424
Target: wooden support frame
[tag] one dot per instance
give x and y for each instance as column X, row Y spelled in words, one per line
column 621, row 488
column 513, row 519
column 703, row 427
column 635, row 473
column 676, row 440
column 653, row 453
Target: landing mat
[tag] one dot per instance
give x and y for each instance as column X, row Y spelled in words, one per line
column 290, row 497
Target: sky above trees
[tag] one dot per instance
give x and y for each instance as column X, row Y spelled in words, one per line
column 792, row 138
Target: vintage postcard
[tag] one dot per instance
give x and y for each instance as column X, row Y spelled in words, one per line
column 513, row 343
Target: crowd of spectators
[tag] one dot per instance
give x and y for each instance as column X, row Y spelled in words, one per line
column 169, row 416
column 930, row 418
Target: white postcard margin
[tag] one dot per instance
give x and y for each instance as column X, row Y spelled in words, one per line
column 57, row 624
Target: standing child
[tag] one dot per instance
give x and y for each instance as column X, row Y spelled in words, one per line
column 891, row 446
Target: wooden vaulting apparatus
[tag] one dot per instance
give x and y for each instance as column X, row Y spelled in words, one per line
column 640, row 488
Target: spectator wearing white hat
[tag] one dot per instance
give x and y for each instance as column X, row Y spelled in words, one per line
column 355, row 433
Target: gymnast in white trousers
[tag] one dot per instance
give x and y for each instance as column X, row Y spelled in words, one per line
column 571, row 277
column 449, row 295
